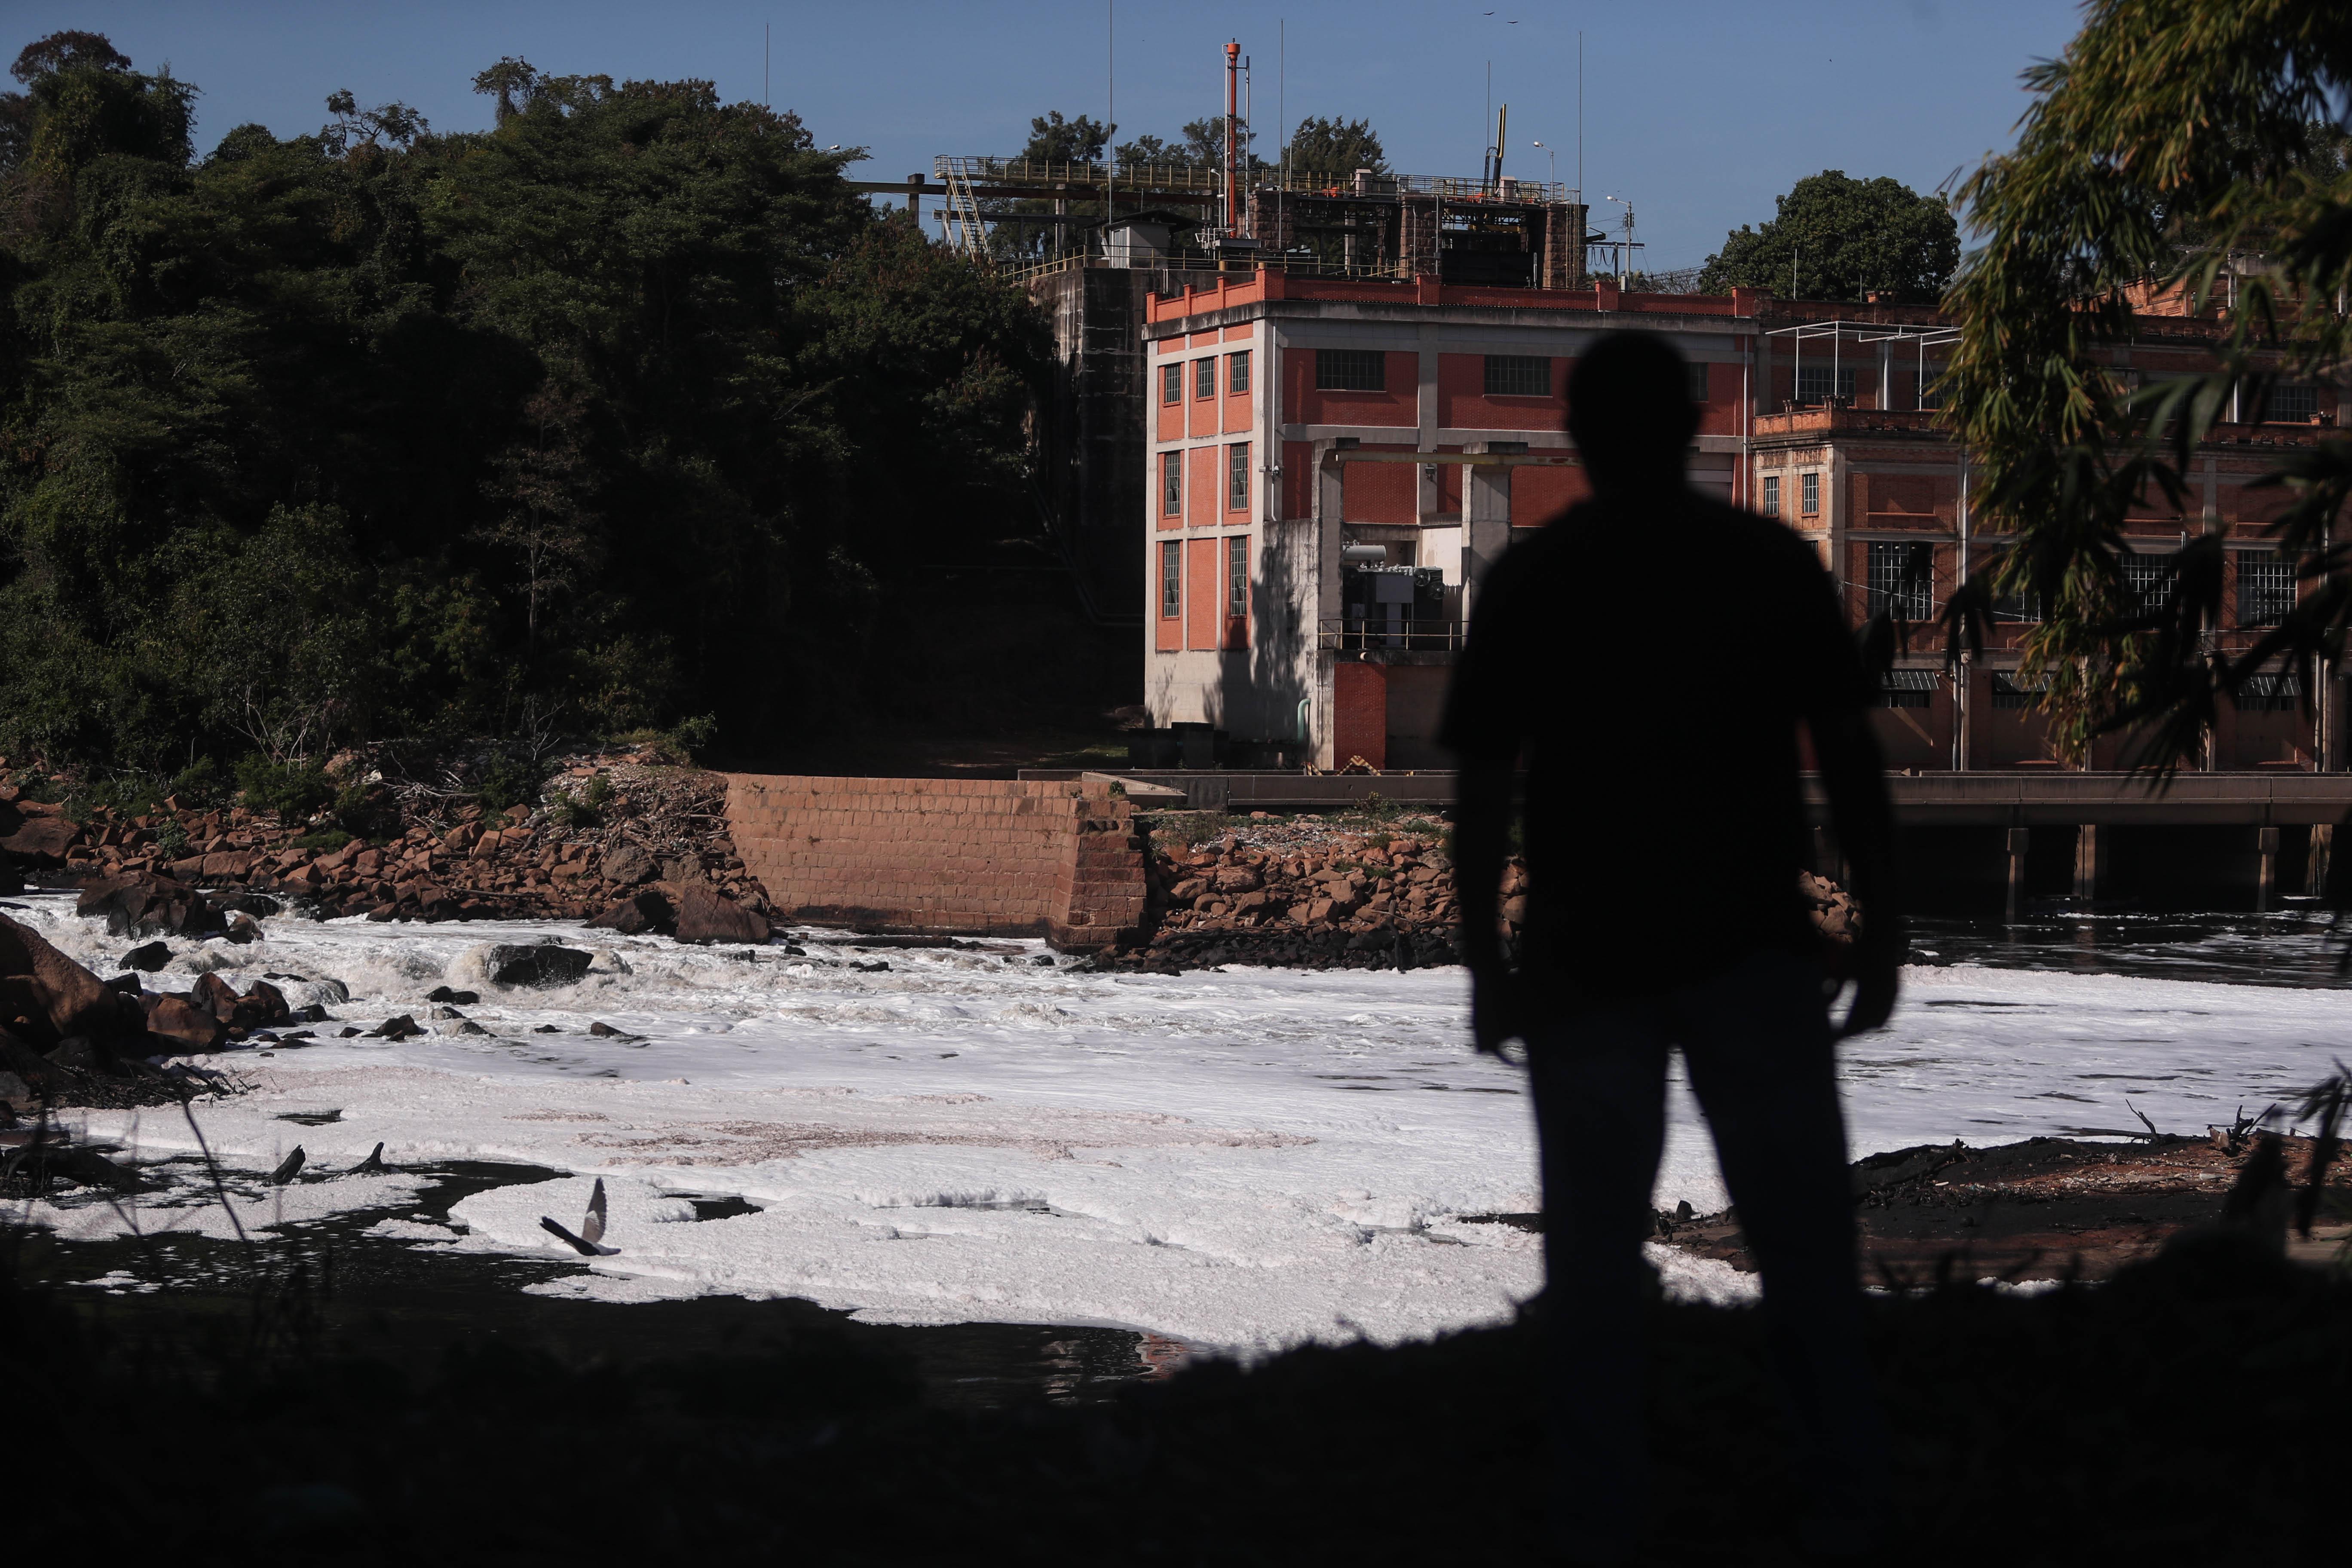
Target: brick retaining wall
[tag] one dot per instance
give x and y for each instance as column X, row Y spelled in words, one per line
column 963, row 856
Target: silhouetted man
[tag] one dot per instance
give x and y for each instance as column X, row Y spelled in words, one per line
column 1652, row 656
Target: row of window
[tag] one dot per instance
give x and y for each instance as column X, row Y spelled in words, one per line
column 1899, row 579
column 1809, row 487
column 1237, row 476
column 1204, row 377
column 1366, row 370
column 1171, row 577
column 2270, row 693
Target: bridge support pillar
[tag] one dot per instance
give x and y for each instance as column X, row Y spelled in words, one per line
column 2315, row 870
column 2090, row 862
column 2266, row 871
column 2018, row 839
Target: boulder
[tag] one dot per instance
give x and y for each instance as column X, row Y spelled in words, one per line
column 704, row 916
column 264, row 1005
column 627, row 866
column 503, row 965
column 46, row 997
column 45, row 839
column 182, row 1026
column 144, row 905
column 215, row 997
column 639, row 913
column 147, row 960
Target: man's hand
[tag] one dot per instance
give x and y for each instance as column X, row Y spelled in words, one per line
column 1878, row 951
column 1496, row 1014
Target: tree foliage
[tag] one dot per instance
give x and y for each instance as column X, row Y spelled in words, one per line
column 1846, row 238
column 2172, row 136
column 625, row 411
column 1338, row 147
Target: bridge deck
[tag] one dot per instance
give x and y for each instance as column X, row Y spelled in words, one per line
column 2023, row 799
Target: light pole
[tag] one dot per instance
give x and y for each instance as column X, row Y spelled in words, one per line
column 1553, row 178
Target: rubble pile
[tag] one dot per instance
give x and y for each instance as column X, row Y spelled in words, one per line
column 614, row 839
column 66, row 1035
column 1305, row 892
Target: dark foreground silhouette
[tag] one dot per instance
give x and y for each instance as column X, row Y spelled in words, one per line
column 1655, row 774
column 2190, row 1409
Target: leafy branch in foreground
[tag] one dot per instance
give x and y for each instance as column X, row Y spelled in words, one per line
column 2172, row 143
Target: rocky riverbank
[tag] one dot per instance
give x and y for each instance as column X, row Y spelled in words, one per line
column 1312, row 892
column 615, row 838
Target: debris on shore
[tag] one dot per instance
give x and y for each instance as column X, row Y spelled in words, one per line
column 619, row 839
column 2046, row 1208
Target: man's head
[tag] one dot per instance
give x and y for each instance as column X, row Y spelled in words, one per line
column 1630, row 409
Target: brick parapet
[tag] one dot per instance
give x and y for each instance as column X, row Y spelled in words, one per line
column 962, row 857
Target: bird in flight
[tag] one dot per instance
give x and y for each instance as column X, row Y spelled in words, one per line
column 591, row 1229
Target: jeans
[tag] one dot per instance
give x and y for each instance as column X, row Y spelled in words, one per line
column 1756, row 1040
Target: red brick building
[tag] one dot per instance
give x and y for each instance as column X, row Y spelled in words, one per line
column 1331, row 463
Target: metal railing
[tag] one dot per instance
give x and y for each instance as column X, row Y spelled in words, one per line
column 1144, row 178
column 1357, row 633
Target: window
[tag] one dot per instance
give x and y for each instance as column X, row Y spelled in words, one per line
column 2012, row 691
column 1172, row 580
column 1172, row 484
column 1698, row 384
column 1237, row 477
column 1902, row 580
column 1907, row 687
column 1816, row 381
column 2148, row 583
column 1171, row 382
column 2025, row 607
column 2294, row 403
column 2266, row 587
column 1519, row 375
column 1204, row 377
column 2278, row 693
column 1237, row 575
column 1771, row 495
column 1923, row 387
column 1350, row 370
column 1237, row 372
column 1812, row 486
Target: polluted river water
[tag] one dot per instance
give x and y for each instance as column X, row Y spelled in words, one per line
column 1044, row 1168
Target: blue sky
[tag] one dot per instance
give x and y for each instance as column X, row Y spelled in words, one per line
column 1699, row 113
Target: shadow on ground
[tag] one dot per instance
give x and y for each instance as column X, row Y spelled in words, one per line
column 2193, row 1405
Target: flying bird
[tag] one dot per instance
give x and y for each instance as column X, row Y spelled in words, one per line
column 591, row 1228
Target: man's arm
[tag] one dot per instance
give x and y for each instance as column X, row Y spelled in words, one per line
column 1854, row 776
column 1482, row 827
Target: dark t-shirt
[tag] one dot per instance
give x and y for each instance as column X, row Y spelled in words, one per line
column 1651, row 660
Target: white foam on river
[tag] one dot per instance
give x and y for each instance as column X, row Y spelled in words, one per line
column 1245, row 1157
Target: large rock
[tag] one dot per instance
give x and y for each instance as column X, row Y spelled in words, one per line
column 628, row 866
column 215, row 997
column 182, row 1026
column 640, row 913
column 503, row 965
column 44, row 839
column 704, row 916
column 150, row 906
column 45, row 998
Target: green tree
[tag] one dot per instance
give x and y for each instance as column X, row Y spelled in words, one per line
column 624, row 411
column 1053, row 140
column 1336, row 147
column 1846, row 238
column 2171, row 136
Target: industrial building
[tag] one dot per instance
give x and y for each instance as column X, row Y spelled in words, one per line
column 1301, row 410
